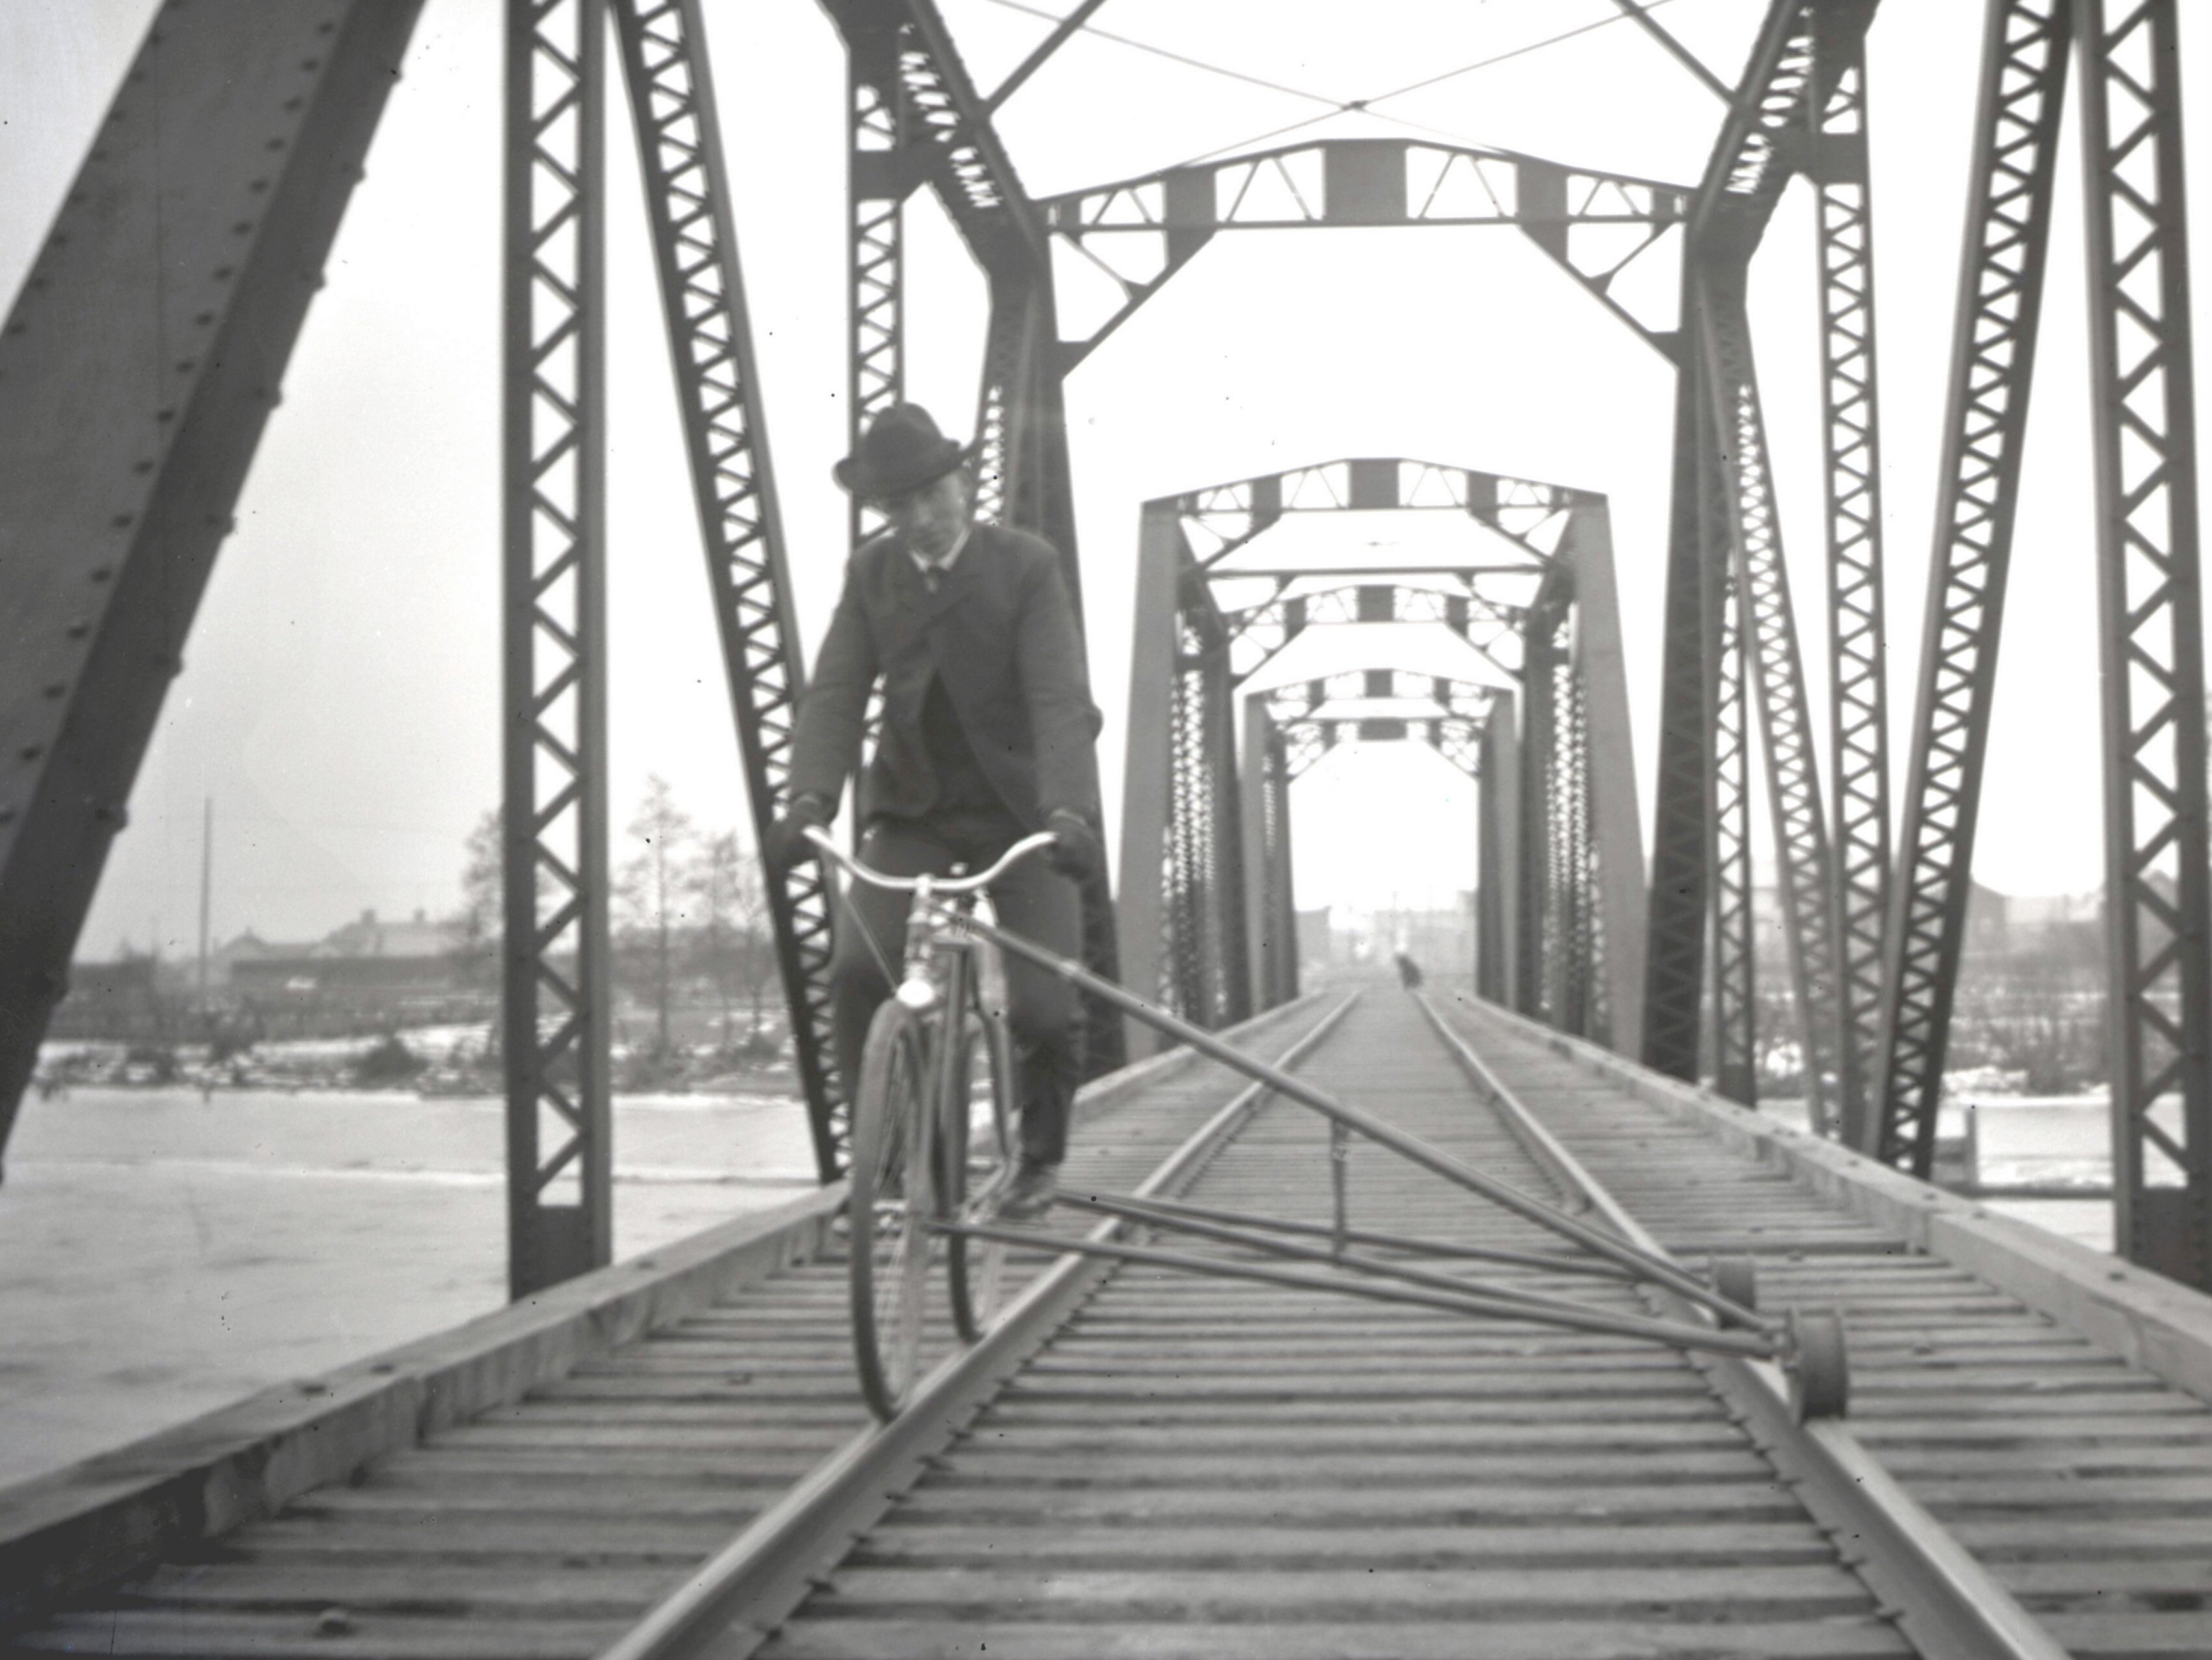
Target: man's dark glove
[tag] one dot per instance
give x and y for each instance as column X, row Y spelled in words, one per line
column 786, row 844
column 1075, row 852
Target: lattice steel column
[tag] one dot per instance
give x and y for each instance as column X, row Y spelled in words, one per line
column 1859, row 713
column 1497, row 806
column 1680, row 911
column 1538, row 733
column 1189, row 946
column 1282, row 886
column 878, row 181
column 2152, row 633
column 1770, row 636
column 1569, row 940
column 560, row 1219
column 687, row 193
column 1734, row 1004
column 2023, row 77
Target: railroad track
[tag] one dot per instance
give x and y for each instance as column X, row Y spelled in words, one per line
column 1150, row 1463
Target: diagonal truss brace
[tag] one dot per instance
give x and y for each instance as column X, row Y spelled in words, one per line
column 2022, row 83
column 687, row 192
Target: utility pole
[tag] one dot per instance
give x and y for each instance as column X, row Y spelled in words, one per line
column 207, row 875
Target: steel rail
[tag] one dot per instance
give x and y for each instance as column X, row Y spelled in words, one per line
column 1948, row 1605
column 730, row 1605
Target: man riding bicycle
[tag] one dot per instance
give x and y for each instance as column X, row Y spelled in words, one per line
column 986, row 734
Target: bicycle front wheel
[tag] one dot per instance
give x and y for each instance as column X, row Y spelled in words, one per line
column 890, row 1205
column 975, row 1168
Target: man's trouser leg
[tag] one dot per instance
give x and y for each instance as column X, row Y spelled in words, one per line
column 1037, row 902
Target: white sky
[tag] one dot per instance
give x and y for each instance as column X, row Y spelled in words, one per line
column 340, row 696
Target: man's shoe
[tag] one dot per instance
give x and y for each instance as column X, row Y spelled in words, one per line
column 1031, row 1194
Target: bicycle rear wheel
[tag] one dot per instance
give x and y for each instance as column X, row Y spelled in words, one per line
column 973, row 1169
column 890, row 1205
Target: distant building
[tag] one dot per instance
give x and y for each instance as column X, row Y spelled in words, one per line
column 367, row 961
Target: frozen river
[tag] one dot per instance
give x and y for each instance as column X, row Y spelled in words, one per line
column 166, row 1254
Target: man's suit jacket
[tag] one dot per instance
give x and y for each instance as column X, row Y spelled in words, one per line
column 1000, row 633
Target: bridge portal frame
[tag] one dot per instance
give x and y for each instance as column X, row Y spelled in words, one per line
column 1578, row 913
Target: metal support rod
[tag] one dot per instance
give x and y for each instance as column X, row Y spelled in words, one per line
column 1538, row 1304
column 2023, row 76
column 1043, row 51
column 556, row 955
column 2151, row 633
column 1548, row 1262
column 687, row 192
column 1675, row 50
column 1683, row 1335
column 1858, row 703
column 1643, row 1264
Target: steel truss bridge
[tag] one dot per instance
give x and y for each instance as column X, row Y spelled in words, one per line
column 116, row 493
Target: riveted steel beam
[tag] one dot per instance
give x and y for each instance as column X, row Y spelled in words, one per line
column 137, row 366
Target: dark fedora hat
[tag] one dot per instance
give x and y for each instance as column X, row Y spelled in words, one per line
column 902, row 451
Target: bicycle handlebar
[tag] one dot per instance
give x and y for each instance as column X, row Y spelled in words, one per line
column 1020, row 849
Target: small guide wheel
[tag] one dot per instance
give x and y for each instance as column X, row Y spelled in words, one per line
column 1735, row 1278
column 1819, row 1373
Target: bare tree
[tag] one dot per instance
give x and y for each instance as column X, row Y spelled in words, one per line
column 653, row 889
column 737, row 948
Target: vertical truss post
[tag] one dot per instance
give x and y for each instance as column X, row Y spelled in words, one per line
column 139, row 362
column 1573, row 942
column 1679, row 914
column 1148, row 768
column 878, row 180
column 671, row 97
column 1208, row 838
column 1769, row 632
column 1734, row 1007
column 1617, row 842
column 1859, row 713
column 1499, row 807
column 556, row 956
column 2151, row 631
column 1534, row 947
column 1282, row 887
column 2022, row 83
column 1264, row 943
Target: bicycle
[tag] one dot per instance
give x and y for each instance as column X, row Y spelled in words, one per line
column 933, row 1053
